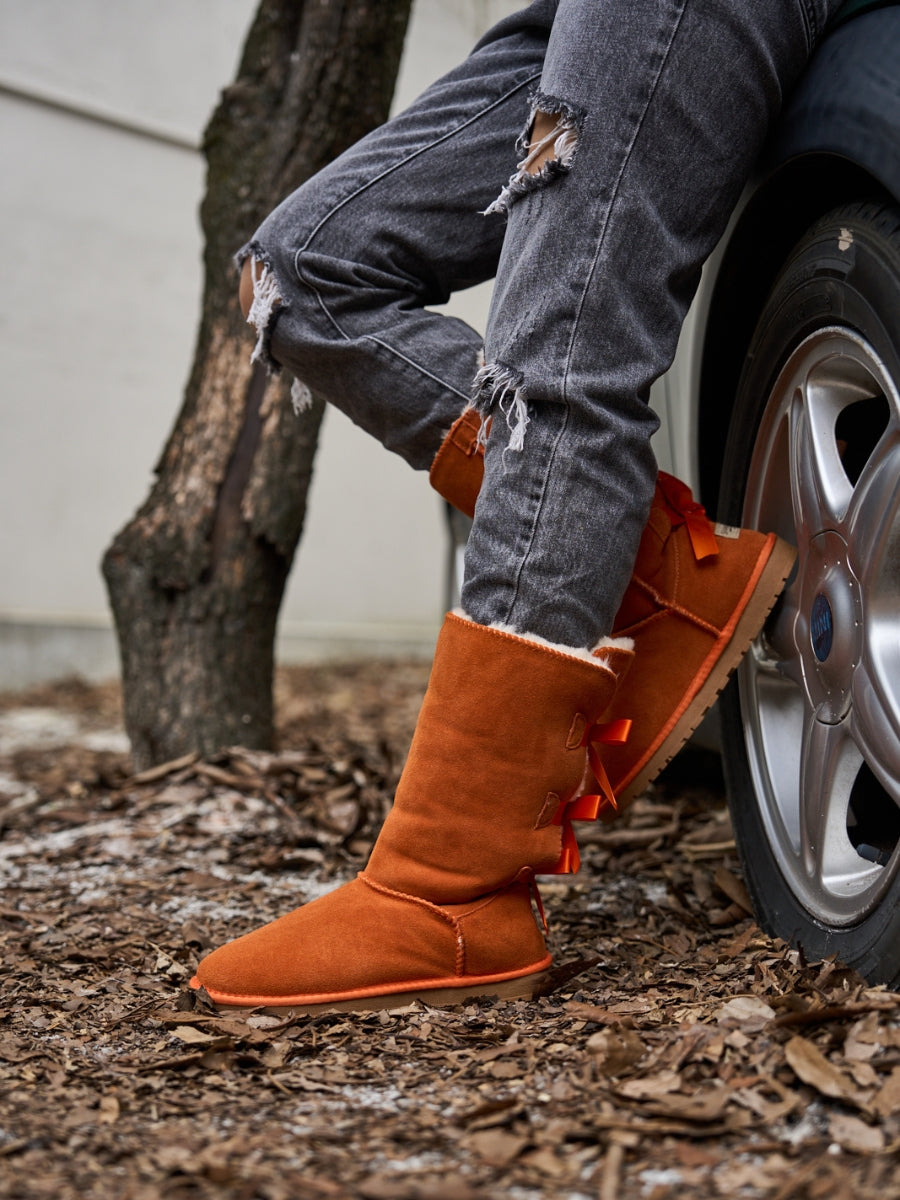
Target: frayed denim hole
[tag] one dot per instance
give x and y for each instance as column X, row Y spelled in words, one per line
column 571, row 114
column 564, row 139
column 267, row 299
column 500, row 389
column 269, row 304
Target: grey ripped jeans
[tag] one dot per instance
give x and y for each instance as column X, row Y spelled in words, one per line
column 662, row 107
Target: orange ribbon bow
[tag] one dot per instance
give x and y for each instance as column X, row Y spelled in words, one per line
column 588, row 807
column 684, row 510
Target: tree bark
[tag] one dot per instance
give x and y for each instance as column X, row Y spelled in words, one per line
column 196, row 578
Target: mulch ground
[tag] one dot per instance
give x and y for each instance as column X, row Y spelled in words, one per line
column 680, row 1052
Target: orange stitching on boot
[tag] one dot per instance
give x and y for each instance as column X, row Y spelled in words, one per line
column 728, row 629
column 548, row 811
column 254, row 1000
column 452, row 921
column 386, row 891
column 670, row 606
column 643, row 624
column 525, row 875
column 676, row 585
column 659, row 523
column 460, row 960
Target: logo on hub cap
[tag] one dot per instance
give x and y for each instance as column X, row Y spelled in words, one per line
column 822, row 628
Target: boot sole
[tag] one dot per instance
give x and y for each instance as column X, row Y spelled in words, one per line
column 708, row 683
column 524, row 987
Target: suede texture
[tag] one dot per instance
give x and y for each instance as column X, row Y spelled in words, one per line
column 499, row 750
column 497, row 754
column 681, row 612
column 361, row 941
column 688, row 589
column 458, row 467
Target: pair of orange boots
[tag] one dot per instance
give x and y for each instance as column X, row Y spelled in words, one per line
column 515, row 740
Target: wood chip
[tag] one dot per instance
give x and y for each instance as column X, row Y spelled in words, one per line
column 662, row 1059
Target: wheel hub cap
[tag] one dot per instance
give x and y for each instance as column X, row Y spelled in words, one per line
column 831, row 648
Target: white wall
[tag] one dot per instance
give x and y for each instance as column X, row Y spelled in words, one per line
column 101, row 109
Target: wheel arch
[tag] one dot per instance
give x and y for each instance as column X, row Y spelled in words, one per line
column 838, row 141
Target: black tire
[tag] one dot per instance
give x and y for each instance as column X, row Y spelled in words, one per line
column 811, row 724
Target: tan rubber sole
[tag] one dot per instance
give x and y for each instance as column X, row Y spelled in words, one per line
column 523, row 988
column 768, row 588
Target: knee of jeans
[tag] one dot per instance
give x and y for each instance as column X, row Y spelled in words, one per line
column 549, row 143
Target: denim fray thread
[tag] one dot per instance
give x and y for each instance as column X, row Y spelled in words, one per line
column 499, row 387
column 266, row 299
column 301, row 397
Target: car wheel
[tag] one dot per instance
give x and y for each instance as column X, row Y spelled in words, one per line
column 811, row 724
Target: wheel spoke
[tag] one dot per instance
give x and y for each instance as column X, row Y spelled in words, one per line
column 876, row 709
column 873, row 521
column 830, row 762
column 820, row 489
column 777, row 721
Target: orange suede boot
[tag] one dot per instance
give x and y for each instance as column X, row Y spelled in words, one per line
column 697, row 598
column 443, row 910
column 458, row 467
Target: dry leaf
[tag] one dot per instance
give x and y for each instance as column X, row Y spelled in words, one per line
column 626, row 1008
column 496, row 1147
column 862, row 1040
column 811, row 1065
column 760, row 1176
column 546, row 1161
column 749, row 1012
column 505, row 1070
column 707, row 1103
column 615, row 1050
column 94, row 1088
column 855, row 1135
column 863, row 1074
column 194, row 1037
column 651, row 1086
column 887, row 1101
column 592, row 1012
column 734, row 889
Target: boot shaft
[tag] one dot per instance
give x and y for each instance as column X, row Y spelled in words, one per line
column 498, row 754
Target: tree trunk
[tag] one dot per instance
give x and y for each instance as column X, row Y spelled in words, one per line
column 196, row 578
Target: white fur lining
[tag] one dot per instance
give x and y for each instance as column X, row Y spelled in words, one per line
column 594, row 655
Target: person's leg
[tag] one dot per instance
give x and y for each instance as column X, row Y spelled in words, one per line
column 494, row 776
column 346, row 265
column 444, row 908
column 660, row 109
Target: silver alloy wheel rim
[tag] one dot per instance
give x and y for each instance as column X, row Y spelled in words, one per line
column 820, row 690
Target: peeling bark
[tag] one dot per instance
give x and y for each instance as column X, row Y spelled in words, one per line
column 196, row 578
